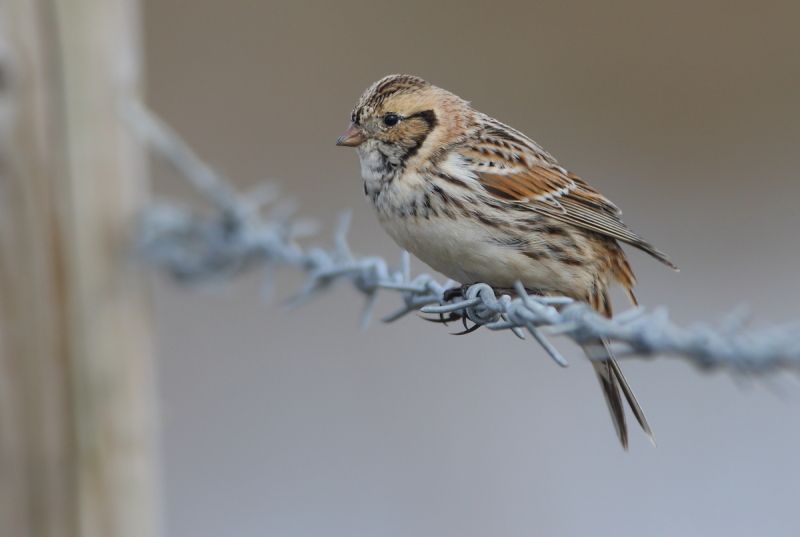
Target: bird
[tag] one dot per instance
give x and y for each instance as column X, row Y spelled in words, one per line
column 479, row 201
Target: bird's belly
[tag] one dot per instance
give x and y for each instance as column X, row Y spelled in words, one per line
column 465, row 251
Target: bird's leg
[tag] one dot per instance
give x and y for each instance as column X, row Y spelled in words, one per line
column 450, row 295
column 443, row 318
column 455, row 292
column 461, row 292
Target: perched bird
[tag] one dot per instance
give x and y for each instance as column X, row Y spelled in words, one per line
column 479, row 201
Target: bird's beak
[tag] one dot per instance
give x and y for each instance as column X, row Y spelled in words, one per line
column 352, row 137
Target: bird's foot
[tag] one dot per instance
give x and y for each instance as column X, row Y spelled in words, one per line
column 461, row 292
column 455, row 293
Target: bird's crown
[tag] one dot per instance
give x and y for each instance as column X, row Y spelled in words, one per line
column 390, row 85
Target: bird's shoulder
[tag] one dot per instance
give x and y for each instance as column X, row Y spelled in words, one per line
column 511, row 166
column 507, row 166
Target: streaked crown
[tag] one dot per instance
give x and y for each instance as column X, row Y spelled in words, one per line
column 377, row 93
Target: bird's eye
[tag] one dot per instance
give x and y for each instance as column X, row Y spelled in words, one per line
column 391, row 119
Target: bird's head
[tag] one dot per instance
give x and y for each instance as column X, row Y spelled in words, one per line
column 402, row 116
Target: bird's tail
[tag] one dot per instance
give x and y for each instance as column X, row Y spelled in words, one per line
column 612, row 382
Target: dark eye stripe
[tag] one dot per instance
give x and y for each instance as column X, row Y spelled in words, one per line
column 429, row 117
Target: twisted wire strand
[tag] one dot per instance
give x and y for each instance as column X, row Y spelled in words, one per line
column 255, row 230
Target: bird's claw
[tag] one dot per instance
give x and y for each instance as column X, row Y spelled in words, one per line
column 455, row 293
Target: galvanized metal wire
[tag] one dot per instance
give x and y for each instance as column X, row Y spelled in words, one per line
column 255, row 230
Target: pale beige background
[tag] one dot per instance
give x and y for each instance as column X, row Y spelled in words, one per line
column 297, row 424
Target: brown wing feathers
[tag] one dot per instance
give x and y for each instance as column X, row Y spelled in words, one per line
column 565, row 197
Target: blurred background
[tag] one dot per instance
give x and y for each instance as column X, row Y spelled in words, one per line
column 296, row 423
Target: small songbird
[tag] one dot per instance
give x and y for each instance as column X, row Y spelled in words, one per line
column 479, row 201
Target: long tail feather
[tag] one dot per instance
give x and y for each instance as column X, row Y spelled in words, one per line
column 632, row 402
column 608, row 383
column 612, row 382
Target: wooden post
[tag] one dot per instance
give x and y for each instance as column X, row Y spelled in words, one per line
column 76, row 363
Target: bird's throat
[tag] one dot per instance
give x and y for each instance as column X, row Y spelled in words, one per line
column 378, row 168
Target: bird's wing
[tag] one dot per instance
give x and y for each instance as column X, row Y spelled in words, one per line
column 522, row 175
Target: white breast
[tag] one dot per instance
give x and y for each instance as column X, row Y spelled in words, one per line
column 459, row 246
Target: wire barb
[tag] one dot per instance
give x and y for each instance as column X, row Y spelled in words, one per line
column 246, row 232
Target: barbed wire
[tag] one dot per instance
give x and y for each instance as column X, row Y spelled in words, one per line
column 244, row 231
